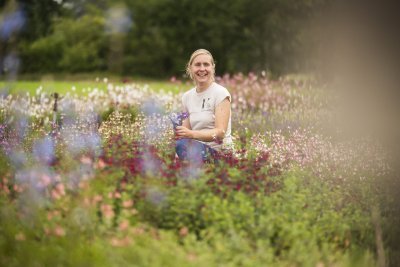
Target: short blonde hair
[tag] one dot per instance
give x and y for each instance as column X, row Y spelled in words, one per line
column 193, row 56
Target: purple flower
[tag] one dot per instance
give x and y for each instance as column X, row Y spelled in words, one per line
column 177, row 118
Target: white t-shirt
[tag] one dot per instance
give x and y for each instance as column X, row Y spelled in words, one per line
column 201, row 108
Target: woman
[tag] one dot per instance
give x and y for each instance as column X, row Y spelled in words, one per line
column 207, row 130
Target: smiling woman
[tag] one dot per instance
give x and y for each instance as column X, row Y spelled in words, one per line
column 207, row 130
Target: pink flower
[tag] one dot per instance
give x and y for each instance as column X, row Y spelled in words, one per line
column 86, row 160
column 45, row 180
column 59, row 231
column 183, row 231
column 100, row 164
column 97, row 198
column 120, row 242
column 127, row 203
column 124, row 225
column 58, row 191
column 107, row 210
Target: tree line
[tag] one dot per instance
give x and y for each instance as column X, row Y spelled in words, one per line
column 155, row 37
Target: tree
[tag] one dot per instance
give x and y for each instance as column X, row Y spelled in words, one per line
column 75, row 45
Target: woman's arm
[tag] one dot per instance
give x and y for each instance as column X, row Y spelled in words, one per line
column 186, row 123
column 222, row 114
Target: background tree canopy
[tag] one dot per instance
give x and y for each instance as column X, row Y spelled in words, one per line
column 155, row 37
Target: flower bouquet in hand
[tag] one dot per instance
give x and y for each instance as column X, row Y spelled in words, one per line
column 177, row 118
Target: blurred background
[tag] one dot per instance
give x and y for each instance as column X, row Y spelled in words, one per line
column 154, row 38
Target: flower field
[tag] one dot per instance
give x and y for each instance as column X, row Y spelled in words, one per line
column 94, row 181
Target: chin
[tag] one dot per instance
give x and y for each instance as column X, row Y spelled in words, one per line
column 204, row 80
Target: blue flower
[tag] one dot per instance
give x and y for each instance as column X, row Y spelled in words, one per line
column 177, row 118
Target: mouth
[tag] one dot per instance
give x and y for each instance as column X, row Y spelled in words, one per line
column 205, row 74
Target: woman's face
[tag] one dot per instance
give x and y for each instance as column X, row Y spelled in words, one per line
column 202, row 69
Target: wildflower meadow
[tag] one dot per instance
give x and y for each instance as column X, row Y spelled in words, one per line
column 93, row 180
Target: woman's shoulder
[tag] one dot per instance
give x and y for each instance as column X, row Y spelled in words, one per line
column 189, row 92
column 220, row 89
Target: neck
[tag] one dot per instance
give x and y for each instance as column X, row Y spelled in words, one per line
column 201, row 87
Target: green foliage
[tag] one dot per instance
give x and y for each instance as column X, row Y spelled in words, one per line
column 301, row 218
column 83, row 84
column 85, row 43
column 266, row 30
column 132, row 111
column 30, row 246
column 303, row 224
column 75, row 45
column 39, row 16
column 5, row 167
column 244, row 35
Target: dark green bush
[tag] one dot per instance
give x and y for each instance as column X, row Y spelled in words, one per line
column 75, row 45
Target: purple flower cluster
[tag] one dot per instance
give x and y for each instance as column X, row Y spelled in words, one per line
column 177, row 118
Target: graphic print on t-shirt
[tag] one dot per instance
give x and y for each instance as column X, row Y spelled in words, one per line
column 207, row 106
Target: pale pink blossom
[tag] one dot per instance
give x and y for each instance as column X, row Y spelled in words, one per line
column 127, row 203
column 59, row 231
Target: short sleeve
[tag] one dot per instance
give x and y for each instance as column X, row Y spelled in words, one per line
column 221, row 94
column 184, row 101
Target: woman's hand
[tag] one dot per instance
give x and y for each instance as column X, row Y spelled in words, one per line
column 183, row 132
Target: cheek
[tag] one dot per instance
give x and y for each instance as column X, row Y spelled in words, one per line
column 194, row 70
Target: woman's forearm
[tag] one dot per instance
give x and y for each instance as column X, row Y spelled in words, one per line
column 208, row 135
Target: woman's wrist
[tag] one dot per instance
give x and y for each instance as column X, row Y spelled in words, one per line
column 192, row 134
column 208, row 136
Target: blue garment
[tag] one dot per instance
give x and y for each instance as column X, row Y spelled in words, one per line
column 194, row 151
